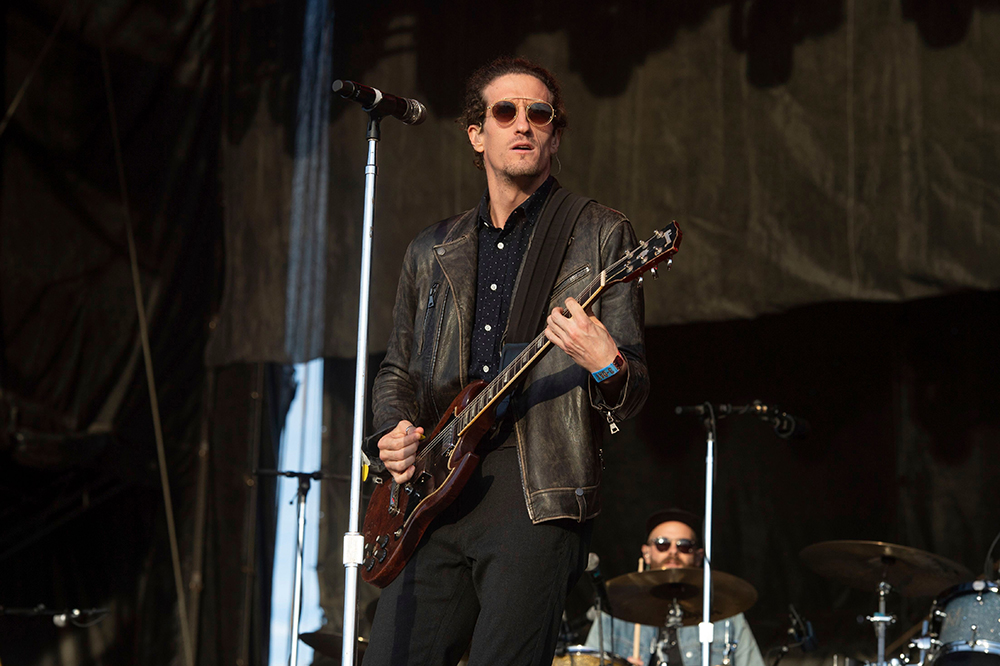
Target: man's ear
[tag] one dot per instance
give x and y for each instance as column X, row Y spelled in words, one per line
column 645, row 555
column 556, row 139
column 475, row 133
column 699, row 557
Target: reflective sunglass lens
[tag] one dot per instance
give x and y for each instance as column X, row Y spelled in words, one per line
column 685, row 546
column 505, row 112
column 539, row 113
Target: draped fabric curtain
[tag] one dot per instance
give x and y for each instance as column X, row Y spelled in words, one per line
column 810, row 152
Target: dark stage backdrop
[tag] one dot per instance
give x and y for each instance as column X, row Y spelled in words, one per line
column 82, row 518
column 811, row 151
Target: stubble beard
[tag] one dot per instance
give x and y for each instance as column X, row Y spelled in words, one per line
column 523, row 169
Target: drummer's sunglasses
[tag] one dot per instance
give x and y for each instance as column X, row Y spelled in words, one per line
column 539, row 112
column 685, row 546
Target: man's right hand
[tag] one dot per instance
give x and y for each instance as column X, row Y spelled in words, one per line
column 398, row 450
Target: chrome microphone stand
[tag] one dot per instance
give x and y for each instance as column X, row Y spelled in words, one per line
column 305, row 481
column 706, row 630
column 354, row 542
column 785, row 426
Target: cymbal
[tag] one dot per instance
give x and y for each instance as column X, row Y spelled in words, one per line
column 864, row 564
column 329, row 644
column 646, row 597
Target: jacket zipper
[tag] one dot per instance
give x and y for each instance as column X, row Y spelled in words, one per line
column 432, row 362
column 570, row 279
column 431, row 301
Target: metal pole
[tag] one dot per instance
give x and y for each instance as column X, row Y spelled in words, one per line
column 883, row 619
column 706, row 631
column 354, row 542
column 293, row 657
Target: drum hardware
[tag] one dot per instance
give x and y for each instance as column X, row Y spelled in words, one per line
column 729, row 645
column 965, row 626
column 889, row 568
column 799, row 634
column 880, row 619
column 652, row 597
column 581, row 655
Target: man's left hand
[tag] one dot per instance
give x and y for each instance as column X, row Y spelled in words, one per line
column 582, row 336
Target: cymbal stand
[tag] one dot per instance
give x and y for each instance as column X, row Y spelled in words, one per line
column 674, row 620
column 881, row 620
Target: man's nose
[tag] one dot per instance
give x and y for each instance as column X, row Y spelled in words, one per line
column 521, row 121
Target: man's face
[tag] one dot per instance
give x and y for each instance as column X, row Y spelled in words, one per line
column 672, row 558
column 519, row 151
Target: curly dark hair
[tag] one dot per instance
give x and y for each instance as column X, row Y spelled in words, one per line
column 474, row 111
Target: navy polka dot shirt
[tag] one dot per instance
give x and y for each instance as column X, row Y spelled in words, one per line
column 500, row 254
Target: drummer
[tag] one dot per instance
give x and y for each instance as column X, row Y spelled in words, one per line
column 672, row 542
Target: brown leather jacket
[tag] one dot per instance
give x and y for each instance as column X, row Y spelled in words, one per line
column 559, row 411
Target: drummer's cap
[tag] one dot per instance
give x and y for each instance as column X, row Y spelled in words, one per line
column 670, row 515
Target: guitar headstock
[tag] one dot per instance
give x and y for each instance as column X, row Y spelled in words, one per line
column 661, row 246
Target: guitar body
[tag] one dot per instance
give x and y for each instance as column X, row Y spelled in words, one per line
column 397, row 516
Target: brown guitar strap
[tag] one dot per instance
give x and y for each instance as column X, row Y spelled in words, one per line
column 529, row 305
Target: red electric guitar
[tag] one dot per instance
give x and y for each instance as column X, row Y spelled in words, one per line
column 398, row 515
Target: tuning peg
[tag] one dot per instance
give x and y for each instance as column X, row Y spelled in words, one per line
column 670, row 262
column 654, row 272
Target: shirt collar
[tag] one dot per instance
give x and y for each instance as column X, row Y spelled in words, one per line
column 530, row 208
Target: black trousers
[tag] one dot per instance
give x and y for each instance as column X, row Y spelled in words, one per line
column 482, row 574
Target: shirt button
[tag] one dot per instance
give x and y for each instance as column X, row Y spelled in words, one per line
column 486, row 368
column 500, row 245
column 493, row 286
column 488, row 327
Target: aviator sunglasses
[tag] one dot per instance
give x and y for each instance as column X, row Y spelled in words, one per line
column 539, row 112
column 685, row 546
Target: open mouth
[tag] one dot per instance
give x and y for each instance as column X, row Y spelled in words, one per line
column 523, row 147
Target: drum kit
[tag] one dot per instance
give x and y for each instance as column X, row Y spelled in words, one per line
column 961, row 629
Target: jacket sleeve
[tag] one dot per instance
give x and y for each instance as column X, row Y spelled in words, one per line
column 622, row 313
column 394, row 396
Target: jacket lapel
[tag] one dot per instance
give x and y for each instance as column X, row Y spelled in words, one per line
column 458, row 257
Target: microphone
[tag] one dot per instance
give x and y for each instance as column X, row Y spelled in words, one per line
column 785, row 425
column 594, row 569
column 410, row 111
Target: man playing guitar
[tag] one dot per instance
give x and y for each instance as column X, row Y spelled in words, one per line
column 492, row 571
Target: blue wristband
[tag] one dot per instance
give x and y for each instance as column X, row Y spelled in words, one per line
column 611, row 370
